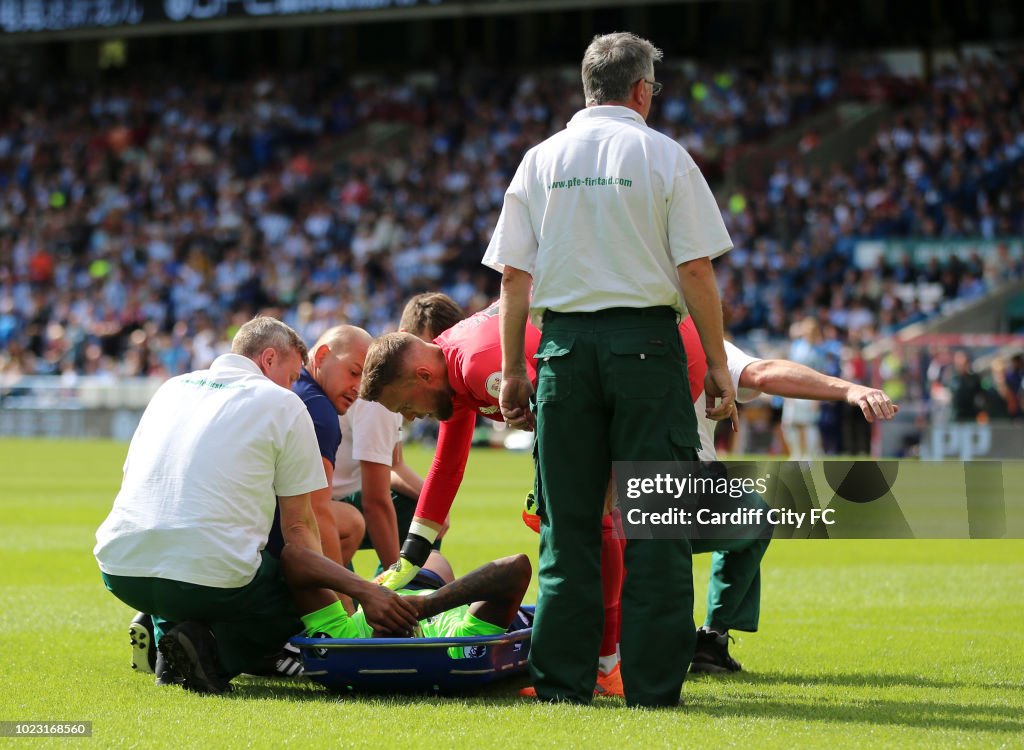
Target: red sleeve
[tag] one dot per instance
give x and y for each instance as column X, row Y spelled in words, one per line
column 696, row 360
column 454, row 440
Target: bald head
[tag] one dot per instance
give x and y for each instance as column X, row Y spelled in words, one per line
column 336, row 363
column 343, row 338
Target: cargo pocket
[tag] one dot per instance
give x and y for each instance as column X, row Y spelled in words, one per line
column 685, row 442
column 639, row 364
column 554, row 378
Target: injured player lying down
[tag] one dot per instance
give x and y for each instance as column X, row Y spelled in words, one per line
column 482, row 602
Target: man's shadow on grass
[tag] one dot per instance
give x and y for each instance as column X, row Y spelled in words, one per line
column 858, row 679
column 249, row 688
column 920, row 714
column 899, row 711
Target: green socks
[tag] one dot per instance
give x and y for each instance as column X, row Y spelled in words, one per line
column 332, row 620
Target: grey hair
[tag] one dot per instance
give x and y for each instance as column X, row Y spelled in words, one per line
column 613, row 63
column 264, row 332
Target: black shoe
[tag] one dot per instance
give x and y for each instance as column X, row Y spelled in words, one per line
column 288, row 663
column 140, row 632
column 712, row 654
column 191, row 652
column 285, row 663
column 164, row 674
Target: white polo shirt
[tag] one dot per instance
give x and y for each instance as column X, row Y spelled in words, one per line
column 737, row 361
column 369, row 432
column 211, row 454
column 602, row 213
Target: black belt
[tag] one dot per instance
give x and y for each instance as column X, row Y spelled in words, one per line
column 661, row 311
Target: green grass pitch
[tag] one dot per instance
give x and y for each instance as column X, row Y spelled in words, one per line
column 863, row 643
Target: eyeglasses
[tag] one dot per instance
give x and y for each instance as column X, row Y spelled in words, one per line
column 656, row 87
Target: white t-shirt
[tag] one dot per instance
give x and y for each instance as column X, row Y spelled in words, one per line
column 602, row 213
column 737, row 361
column 369, row 432
column 211, row 454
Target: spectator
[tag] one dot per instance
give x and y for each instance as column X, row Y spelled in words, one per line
column 965, row 389
column 161, row 215
column 1015, row 385
column 800, row 416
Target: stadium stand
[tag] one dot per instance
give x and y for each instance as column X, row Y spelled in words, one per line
column 141, row 223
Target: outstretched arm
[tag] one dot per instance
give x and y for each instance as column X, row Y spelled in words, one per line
column 781, row 377
column 494, row 590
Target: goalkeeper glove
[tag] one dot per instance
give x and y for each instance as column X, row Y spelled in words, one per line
column 411, row 559
column 531, row 517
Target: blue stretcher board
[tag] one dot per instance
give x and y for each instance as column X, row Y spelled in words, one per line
column 415, row 665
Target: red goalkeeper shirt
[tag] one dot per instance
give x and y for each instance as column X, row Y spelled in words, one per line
column 472, row 351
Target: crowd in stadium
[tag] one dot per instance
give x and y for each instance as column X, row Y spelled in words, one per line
column 141, row 223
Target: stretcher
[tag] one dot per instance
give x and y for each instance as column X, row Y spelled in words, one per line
column 416, row 665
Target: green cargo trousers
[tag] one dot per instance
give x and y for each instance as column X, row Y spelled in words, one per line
column 611, row 386
column 734, row 585
column 249, row 623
